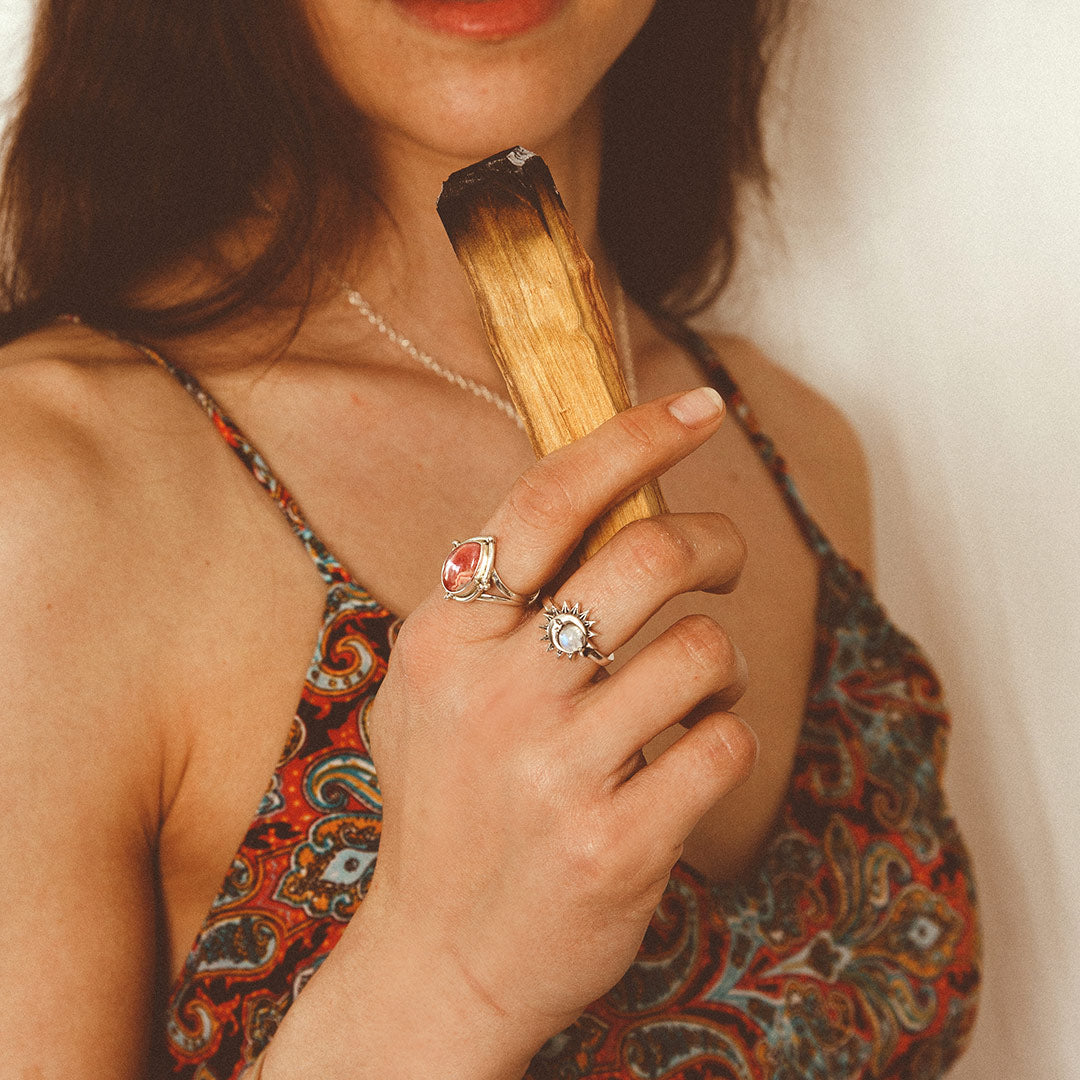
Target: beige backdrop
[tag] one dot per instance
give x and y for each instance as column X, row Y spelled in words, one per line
column 922, row 267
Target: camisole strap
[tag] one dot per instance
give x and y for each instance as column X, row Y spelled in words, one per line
column 707, row 356
column 681, row 334
column 328, row 566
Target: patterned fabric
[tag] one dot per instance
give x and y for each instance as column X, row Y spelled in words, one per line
column 851, row 951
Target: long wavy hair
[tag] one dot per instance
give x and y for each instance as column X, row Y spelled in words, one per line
column 144, row 130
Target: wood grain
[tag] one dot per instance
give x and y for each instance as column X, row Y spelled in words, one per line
column 543, row 310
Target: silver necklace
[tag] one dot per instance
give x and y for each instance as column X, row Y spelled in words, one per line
column 463, row 382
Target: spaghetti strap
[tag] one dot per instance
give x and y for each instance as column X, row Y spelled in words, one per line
column 733, row 397
column 333, row 572
column 329, row 568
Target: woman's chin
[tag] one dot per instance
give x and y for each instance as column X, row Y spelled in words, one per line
column 469, row 94
column 466, row 135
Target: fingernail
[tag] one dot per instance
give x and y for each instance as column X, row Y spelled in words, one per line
column 697, row 407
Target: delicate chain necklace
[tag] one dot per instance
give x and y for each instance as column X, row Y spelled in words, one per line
column 463, row 382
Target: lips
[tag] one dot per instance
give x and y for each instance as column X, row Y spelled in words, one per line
column 481, row 19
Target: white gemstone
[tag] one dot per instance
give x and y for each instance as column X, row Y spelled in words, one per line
column 571, row 638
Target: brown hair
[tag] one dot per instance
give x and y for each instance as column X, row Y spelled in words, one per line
column 146, row 129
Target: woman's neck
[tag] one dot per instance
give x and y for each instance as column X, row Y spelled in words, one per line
column 405, row 267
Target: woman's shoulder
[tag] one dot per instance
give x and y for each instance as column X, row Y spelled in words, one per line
column 818, row 442
column 60, row 416
column 78, row 378
column 87, row 426
column 81, row 768
column 110, row 478
column 88, row 432
column 123, row 538
column 111, row 474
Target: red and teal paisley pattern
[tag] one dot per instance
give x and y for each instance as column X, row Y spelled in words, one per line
column 851, row 950
column 304, row 865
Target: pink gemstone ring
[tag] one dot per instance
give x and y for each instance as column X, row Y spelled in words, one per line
column 469, row 574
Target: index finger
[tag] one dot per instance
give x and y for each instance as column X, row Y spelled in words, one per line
column 552, row 503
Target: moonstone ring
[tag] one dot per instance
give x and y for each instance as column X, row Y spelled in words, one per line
column 469, row 574
column 567, row 630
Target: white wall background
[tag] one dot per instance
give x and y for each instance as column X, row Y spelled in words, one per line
column 14, row 25
column 922, row 267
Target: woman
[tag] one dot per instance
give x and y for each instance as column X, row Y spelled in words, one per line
column 229, row 204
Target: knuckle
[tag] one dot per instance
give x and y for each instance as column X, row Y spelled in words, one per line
column 656, row 548
column 735, row 543
column 540, row 496
column 715, row 754
column 731, row 749
column 640, row 437
column 587, row 855
column 539, row 765
column 705, row 644
column 413, row 632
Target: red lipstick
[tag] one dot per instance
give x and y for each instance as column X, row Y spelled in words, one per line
column 481, row 19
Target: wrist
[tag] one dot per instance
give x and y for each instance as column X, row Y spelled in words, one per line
column 391, row 1008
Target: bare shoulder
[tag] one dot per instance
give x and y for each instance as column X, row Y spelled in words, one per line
column 90, row 438
column 104, row 467
column 85, row 426
column 78, row 381
column 817, row 441
column 124, row 530
column 80, row 774
column 60, row 418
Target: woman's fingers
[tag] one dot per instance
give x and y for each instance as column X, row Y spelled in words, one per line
column 554, row 502
column 667, row 798
column 641, row 568
column 692, row 661
column 649, row 562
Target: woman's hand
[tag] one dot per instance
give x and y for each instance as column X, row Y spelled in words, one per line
column 525, row 842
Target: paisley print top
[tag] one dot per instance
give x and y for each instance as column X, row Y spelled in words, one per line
column 852, row 950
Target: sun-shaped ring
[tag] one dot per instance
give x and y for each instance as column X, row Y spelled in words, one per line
column 568, row 631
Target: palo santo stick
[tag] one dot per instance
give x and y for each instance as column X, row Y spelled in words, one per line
column 541, row 305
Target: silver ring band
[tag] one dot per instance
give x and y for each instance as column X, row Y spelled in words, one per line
column 469, row 573
column 567, row 632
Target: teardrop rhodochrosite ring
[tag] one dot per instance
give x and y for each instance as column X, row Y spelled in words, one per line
column 469, row 574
